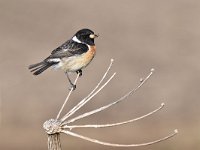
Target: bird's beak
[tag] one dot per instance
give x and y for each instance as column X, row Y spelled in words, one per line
column 93, row 36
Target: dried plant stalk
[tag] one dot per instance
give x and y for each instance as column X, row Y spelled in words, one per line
column 109, row 105
column 113, row 124
column 119, row 145
column 56, row 126
column 91, row 94
column 54, row 141
column 67, row 98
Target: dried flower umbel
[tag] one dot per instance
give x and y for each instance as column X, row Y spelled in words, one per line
column 64, row 124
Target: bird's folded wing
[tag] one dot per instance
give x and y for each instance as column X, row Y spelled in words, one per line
column 68, row 49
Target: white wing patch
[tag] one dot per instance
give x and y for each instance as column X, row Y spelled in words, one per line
column 54, row 60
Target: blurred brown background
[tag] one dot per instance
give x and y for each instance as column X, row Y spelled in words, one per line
column 138, row 34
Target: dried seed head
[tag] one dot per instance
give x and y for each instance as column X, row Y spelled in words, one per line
column 52, row 126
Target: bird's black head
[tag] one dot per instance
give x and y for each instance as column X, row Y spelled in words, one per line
column 86, row 36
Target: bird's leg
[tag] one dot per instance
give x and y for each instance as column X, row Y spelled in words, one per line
column 79, row 72
column 73, row 87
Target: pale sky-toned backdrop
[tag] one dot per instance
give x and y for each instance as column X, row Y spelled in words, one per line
column 138, row 34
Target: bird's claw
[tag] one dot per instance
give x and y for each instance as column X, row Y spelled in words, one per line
column 79, row 72
column 72, row 87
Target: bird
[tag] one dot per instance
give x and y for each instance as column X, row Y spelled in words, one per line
column 72, row 56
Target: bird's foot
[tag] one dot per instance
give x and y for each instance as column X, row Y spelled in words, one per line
column 72, row 87
column 79, row 72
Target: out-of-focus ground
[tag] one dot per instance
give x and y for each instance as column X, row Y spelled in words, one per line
column 138, row 34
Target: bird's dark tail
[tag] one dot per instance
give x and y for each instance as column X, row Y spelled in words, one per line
column 39, row 67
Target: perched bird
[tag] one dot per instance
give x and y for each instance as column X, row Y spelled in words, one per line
column 72, row 56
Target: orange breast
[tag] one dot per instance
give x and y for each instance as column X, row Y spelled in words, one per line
column 91, row 52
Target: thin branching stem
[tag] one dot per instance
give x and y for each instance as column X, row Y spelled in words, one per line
column 113, row 124
column 56, row 126
column 67, row 98
column 83, row 100
column 87, row 100
column 118, row 145
column 112, row 103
